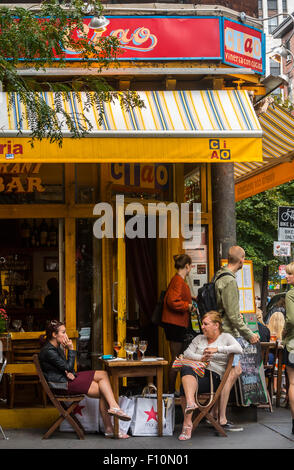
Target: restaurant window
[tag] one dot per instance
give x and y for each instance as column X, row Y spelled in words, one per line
column 192, row 184
column 29, row 272
column 31, row 183
column 87, row 186
column 89, row 295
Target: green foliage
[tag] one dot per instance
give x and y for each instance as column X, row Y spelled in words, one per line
column 257, row 227
column 30, row 40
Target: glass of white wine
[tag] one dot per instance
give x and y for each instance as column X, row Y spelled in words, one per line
column 142, row 347
column 128, row 347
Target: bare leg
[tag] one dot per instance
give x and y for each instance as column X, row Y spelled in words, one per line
column 101, row 386
column 190, row 386
column 105, row 416
column 224, row 398
column 290, row 372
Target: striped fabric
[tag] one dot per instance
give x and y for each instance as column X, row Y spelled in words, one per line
column 198, row 366
column 165, row 111
column 277, row 141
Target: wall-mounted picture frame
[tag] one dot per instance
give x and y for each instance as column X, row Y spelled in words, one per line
column 51, row 264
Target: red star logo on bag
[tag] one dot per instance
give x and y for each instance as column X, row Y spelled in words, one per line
column 152, row 414
column 78, row 410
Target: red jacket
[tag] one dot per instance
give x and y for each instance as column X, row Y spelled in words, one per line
column 176, row 302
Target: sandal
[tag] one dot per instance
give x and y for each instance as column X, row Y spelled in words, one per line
column 190, row 408
column 120, row 414
column 121, row 435
column 186, row 433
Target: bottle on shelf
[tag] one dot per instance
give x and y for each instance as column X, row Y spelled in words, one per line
column 43, row 230
column 35, row 241
column 52, row 236
column 25, row 234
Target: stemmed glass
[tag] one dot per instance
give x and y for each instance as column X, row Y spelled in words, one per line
column 132, row 349
column 136, row 340
column 117, row 347
column 128, row 349
column 142, row 347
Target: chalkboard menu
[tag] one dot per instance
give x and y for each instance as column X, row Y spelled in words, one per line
column 252, row 385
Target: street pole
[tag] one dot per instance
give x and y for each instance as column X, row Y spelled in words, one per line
column 223, row 210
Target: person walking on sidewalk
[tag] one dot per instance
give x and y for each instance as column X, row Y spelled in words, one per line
column 227, row 295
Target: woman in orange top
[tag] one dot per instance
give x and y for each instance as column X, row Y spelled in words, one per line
column 176, row 316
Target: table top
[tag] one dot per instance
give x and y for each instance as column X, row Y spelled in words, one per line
column 148, row 361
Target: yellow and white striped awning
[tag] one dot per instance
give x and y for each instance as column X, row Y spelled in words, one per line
column 278, row 148
column 174, row 126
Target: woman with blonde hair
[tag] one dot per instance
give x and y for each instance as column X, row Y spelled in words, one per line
column 213, row 347
column 276, row 324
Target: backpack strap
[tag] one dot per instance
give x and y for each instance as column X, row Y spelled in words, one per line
column 222, row 275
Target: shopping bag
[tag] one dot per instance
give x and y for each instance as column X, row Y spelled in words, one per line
column 127, row 405
column 87, row 412
column 145, row 417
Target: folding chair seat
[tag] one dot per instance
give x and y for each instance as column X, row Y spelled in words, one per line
column 65, row 404
column 206, row 401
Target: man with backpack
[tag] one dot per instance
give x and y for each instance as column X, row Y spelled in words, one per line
column 227, row 297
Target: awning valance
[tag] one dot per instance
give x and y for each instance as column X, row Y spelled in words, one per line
column 278, row 152
column 174, row 126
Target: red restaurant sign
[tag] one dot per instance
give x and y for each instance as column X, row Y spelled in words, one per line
column 160, row 37
column 243, row 46
column 181, row 37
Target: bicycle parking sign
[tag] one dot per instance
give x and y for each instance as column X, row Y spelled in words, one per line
column 286, row 223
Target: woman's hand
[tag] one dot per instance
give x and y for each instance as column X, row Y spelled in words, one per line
column 69, row 375
column 67, row 343
column 208, row 353
column 181, row 356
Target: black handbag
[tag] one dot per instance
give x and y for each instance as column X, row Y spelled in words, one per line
column 60, row 386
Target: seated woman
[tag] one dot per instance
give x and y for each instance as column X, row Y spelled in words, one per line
column 212, row 347
column 94, row 383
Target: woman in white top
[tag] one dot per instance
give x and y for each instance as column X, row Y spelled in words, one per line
column 212, row 347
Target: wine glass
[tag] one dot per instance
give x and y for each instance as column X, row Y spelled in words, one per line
column 136, row 340
column 133, row 348
column 128, row 347
column 117, row 347
column 142, row 347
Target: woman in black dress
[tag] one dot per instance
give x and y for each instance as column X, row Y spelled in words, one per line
column 60, row 374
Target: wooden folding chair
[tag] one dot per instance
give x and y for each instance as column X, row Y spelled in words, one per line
column 22, row 353
column 59, row 401
column 269, row 370
column 206, row 401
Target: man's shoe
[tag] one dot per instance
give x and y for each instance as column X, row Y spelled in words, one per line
column 231, row 427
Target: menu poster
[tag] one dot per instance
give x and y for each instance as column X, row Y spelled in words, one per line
column 245, row 281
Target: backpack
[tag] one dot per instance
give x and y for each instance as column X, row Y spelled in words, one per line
column 157, row 313
column 206, row 299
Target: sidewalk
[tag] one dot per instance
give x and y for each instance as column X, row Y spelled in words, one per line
column 272, row 431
